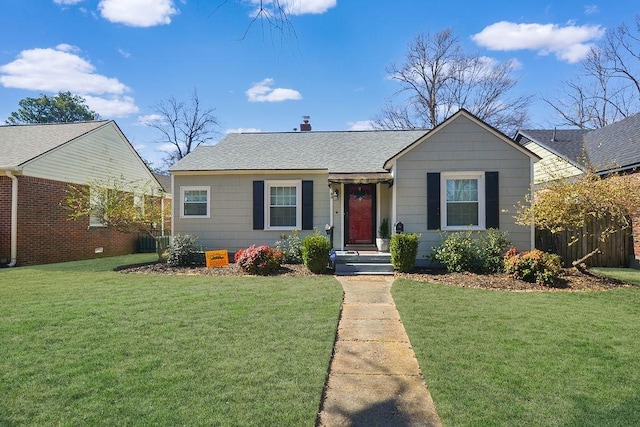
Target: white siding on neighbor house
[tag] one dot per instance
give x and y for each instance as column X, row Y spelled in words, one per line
column 230, row 225
column 461, row 145
column 551, row 166
column 99, row 155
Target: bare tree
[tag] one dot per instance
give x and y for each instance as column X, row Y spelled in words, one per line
column 437, row 78
column 607, row 88
column 184, row 126
column 273, row 13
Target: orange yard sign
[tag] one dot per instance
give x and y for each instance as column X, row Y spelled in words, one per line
column 216, row 258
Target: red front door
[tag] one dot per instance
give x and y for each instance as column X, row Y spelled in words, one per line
column 360, row 203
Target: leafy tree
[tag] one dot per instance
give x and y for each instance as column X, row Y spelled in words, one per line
column 437, row 78
column 119, row 204
column 62, row 108
column 570, row 204
column 607, row 87
column 183, row 126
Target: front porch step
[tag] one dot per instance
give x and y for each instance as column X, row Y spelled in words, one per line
column 354, row 262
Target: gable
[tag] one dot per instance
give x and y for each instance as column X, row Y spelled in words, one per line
column 463, row 137
column 100, row 154
column 20, row 144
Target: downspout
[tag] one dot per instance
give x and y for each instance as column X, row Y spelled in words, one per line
column 14, row 219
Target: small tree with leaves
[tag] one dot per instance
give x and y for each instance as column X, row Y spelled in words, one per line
column 570, row 204
column 62, row 108
column 119, row 204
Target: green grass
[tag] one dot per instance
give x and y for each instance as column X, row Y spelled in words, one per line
column 527, row 359
column 627, row 275
column 83, row 345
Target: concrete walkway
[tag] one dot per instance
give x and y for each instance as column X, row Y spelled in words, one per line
column 374, row 378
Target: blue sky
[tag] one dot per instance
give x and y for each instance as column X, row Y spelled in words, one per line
column 124, row 56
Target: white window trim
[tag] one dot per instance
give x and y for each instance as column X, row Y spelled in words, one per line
column 444, row 176
column 195, row 188
column 267, row 203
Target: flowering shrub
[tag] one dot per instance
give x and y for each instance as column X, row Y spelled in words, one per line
column 261, row 260
column 290, row 247
column 533, row 266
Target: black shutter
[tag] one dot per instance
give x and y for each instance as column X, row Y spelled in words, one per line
column 433, row 201
column 258, row 205
column 307, row 205
column 492, row 205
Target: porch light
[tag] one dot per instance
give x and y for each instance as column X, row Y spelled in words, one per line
column 334, row 194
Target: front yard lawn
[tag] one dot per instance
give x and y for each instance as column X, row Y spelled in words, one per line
column 526, row 358
column 81, row 344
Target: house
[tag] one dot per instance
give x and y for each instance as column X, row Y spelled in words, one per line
column 37, row 164
column 571, row 152
column 252, row 187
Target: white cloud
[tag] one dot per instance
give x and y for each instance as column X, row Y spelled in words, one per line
column 113, row 106
column 61, row 69
column 138, row 13
column 591, row 9
column 243, row 130
column 264, row 92
column 67, row 2
column 360, row 125
column 149, row 119
column 299, row 7
column 124, row 53
column 570, row 43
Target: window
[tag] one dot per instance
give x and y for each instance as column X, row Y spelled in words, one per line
column 463, row 201
column 282, row 204
column 195, row 202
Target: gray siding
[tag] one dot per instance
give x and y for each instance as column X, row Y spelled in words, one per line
column 230, row 225
column 98, row 155
column 461, row 145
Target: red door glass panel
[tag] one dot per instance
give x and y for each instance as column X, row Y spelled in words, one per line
column 360, row 208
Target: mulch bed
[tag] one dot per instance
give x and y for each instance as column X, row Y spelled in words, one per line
column 571, row 280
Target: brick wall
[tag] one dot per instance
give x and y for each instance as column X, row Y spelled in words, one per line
column 5, row 219
column 45, row 235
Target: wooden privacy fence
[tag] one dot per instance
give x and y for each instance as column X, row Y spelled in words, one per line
column 617, row 250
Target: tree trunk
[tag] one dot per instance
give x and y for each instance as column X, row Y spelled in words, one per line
column 579, row 263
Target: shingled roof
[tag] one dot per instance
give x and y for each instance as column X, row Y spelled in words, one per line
column 336, row 152
column 21, row 143
column 613, row 147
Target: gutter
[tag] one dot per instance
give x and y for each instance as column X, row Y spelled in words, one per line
column 14, row 218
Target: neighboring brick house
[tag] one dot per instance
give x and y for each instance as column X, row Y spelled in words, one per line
column 613, row 149
column 37, row 164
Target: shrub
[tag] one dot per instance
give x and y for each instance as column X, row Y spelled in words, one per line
column 182, row 250
column 460, row 251
column 315, row 252
column 404, row 250
column 290, row 247
column 490, row 248
column 261, row 260
column 533, row 266
column 456, row 252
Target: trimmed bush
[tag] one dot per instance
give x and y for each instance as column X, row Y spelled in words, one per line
column 404, row 250
column 461, row 251
column 290, row 247
column 533, row 266
column 315, row 252
column 261, row 260
column 182, row 250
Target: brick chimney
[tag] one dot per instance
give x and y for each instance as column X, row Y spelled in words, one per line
column 305, row 126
